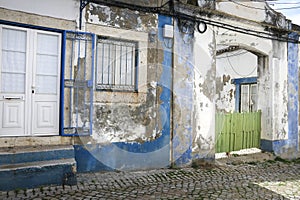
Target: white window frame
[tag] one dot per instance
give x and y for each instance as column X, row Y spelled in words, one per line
column 249, row 94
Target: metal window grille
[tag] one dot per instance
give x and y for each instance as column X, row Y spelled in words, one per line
column 116, row 64
column 78, row 76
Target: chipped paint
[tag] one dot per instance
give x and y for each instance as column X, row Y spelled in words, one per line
column 133, row 130
column 120, row 18
column 182, row 96
column 204, row 96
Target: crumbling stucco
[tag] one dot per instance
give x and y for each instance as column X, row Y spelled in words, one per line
column 121, row 18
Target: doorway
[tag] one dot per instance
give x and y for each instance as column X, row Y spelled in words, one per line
column 30, row 81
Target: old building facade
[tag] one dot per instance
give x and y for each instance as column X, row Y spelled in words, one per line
column 137, row 85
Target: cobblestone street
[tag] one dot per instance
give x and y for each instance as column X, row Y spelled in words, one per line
column 253, row 180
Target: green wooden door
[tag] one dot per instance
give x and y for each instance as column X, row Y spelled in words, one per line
column 236, row 131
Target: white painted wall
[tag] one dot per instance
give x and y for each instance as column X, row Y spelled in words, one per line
column 245, row 9
column 237, row 64
column 272, row 81
column 64, row 9
column 204, row 93
column 232, row 65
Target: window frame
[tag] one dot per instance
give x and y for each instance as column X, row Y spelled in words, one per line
column 238, row 90
column 135, row 64
column 247, row 107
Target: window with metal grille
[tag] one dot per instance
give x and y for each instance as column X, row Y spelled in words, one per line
column 116, row 64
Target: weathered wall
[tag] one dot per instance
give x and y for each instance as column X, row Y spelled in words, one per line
column 204, row 95
column 183, row 78
column 126, row 116
column 276, row 87
column 232, row 65
column 131, row 130
column 258, row 11
column 243, row 9
column 289, row 148
column 268, row 97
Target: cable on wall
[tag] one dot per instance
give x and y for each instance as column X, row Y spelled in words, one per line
column 173, row 13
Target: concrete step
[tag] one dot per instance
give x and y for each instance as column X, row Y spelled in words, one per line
column 29, row 167
column 17, row 155
column 36, row 174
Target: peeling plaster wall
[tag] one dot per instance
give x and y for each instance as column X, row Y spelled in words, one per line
column 120, row 18
column 272, row 78
column 258, row 11
column 245, row 11
column 232, row 65
column 126, row 116
column 131, row 130
column 204, row 95
column 183, row 78
column 277, row 83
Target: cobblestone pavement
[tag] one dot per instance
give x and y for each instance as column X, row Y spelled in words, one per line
column 264, row 180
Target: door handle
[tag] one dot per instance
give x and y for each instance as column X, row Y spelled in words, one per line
column 12, row 98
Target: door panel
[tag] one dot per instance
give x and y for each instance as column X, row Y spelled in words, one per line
column 45, row 115
column 46, row 84
column 13, row 115
column 30, row 81
column 13, row 81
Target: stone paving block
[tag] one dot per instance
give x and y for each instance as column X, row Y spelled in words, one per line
column 277, row 181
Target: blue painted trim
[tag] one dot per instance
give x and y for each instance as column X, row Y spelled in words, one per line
column 238, row 82
column 98, row 157
column 185, row 158
column 266, row 145
column 62, row 83
column 293, row 87
column 34, row 156
column 34, row 176
column 237, row 97
column 87, row 162
column 91, row 89
column 244, row 80
column 275, row 146
column 165, row 82
column 30, row 26
column 130, row 156
column 291, row 145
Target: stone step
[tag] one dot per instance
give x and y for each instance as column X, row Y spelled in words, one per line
column 37, row 174
column 17, row 155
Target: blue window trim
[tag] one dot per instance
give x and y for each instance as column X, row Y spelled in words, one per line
column 244, row 80
column 90, row 83
column 31, row 26
column 238, row 82
column 63, row 53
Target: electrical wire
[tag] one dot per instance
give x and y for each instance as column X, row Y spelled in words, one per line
column 233, row 28
column 252, row 7
column 242, row 75
column 177, row 14
column 242, row 52
column 281, row 3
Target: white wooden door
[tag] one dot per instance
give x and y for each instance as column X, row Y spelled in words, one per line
column 46, row 84
column 13, row 94
column 30, row 71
